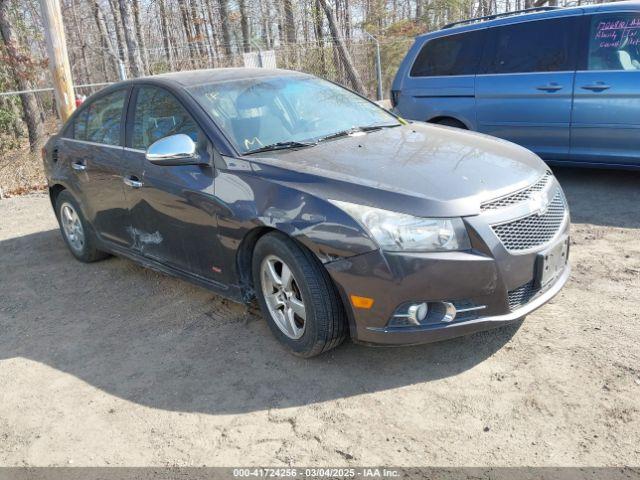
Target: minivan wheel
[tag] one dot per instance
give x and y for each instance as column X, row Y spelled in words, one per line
column 297, row 296
column 76, row 231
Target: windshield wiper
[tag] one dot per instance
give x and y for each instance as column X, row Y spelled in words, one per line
column 281, row 146
column 350, row 131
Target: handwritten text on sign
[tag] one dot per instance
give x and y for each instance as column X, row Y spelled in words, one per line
column 618, row 33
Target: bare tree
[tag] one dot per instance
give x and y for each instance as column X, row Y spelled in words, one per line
column 142, row 44
column 104, row 35
column 117, row 22
column 226, row 35
column 244, row 25
column 20, row 64
column 343, row 53
column 128, row 25
column 165, row 33
column 289, row 22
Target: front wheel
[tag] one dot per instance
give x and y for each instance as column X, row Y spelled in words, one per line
column 297, row 297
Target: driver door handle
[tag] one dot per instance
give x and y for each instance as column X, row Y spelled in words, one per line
column 132, row 181
column 79, row 166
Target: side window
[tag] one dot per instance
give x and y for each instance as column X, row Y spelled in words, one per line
column 614, row 42
column 103, row 119
column 537, row 46
column 79, row 127
column 158, row 114
column 450, row 55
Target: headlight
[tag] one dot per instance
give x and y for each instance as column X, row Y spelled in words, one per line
column 400, row 232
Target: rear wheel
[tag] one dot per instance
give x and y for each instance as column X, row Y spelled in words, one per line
column 297, row 297
column 76, row 231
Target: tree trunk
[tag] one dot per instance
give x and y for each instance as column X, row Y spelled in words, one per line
column 345, row 57
column 226, row 36
column 186, row 24
column 104, row 36
column 244, row 25
column 165, row 34
column 135, row 60
column 289, row 22
column 319, row 33
column 142, row 44
column 117, row 21
column 19, row 64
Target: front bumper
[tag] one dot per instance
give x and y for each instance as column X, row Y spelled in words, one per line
column 484, row 276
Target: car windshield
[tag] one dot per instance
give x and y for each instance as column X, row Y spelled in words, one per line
column 286, row 112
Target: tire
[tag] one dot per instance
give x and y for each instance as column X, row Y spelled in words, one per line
column 324, row 325
column 452, row 122
column 81, row 240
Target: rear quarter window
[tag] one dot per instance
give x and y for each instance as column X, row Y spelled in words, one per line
column 451, row 55
column 614, row 42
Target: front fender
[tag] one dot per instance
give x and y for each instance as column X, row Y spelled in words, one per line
column 271, row 201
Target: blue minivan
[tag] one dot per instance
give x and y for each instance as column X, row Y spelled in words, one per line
column 562, row 82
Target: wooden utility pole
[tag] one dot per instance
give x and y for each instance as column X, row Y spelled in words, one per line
column 58, row 57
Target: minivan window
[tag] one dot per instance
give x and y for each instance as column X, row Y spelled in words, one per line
column 158, row 114
column 537, row 46
column 614, row 42
column 450, row 55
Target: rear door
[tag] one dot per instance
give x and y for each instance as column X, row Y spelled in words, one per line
column 93, row 145
column 441, row 80
column 525, row 90
column 606, row 111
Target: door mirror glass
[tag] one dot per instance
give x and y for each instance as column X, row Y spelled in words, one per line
column 176, row 149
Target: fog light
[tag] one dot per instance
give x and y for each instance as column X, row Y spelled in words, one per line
column 417, row 313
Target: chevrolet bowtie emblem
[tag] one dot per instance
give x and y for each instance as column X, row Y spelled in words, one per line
column 539, row 203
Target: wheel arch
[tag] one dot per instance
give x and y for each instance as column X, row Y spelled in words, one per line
column 54, row 192
column 440, row 118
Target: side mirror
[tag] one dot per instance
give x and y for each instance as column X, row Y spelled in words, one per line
column 176, row 149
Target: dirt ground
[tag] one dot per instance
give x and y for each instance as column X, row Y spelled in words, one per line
column 112, row 364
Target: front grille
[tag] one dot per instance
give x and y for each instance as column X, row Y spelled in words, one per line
column 534, row 230
column 521, row 295
column 519, row 196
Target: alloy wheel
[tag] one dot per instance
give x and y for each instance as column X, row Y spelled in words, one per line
column 72, row 227
column 283, row 297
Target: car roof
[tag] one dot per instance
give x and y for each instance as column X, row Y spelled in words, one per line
column 633, row 5
column 192, row 78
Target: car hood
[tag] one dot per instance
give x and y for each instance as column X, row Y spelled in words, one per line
column 418, row 168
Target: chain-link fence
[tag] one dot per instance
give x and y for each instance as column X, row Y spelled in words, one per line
column 322, row 59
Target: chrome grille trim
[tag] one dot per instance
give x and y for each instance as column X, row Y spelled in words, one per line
column 519, row 196
column 521, row 295
column 535, row 230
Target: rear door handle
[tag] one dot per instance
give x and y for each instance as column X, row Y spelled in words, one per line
column 596, row 87
column 551, row 87
column 79, row 166
column 132, row 181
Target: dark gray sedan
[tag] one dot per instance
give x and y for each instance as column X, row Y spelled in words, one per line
column 340, row 218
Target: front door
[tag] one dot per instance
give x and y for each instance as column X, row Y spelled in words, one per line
column 525, row 86
column 606, row 111
column 93, row 148
column 172, row 218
